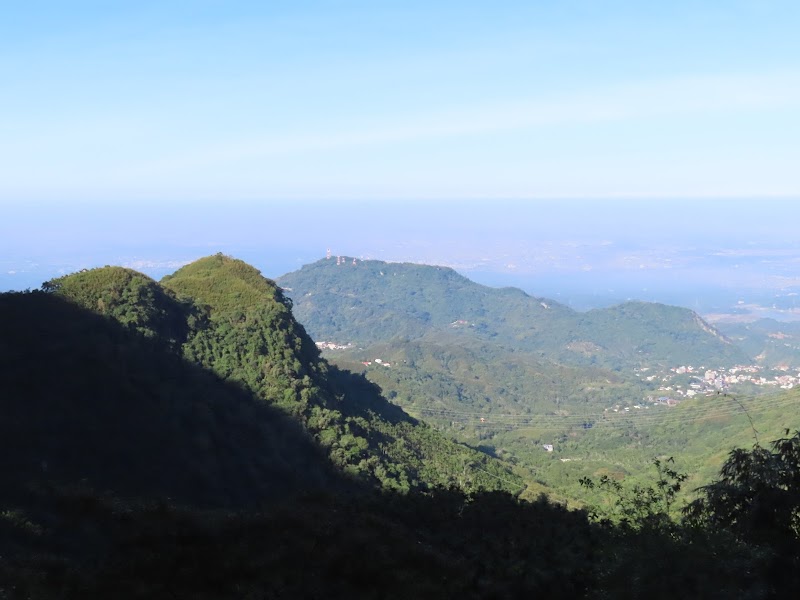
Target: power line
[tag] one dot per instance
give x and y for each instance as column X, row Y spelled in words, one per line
column 521, row 486
column 682, row 414
column 710, row 406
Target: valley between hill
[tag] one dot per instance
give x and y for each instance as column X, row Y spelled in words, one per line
column 560, row 393
column 185, row 438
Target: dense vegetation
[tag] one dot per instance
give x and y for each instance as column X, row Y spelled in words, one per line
column 87, row 400
column 250, row 336
column 739, row 540
column 455, row 383
column 698, row 434
column 221, row 315
column 130, row 298
column 375, row 301
column 770, row 342
column 186, row 440
column 511, row 373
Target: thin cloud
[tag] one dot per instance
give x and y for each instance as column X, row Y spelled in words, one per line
column 644, row 100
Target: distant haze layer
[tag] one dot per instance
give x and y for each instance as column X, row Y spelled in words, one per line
column 706, row 254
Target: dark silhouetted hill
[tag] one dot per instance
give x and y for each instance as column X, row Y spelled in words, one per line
column 86, row 400
column 204, row 388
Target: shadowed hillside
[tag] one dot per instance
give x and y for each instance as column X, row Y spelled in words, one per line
column 251, row 336
column 222, row 316
column 88, row 401
column 121, row 460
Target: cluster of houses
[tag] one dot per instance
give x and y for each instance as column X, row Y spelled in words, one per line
column 348, row 346
column 333, row 346
column 687, row 382
column 461, row 323
column 377, row 361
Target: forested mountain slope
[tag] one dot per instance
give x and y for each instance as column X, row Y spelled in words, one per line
column 698, row 434
column 251, row 336
column 221, row 318
column 771, row 343
column 86, row 400
column 373, row 301
column 508, row 371
column 364, row 302
column 134, row 416
column 451, row 381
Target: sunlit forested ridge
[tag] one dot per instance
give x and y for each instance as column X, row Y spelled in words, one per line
column 220, row 315
column 371, row 301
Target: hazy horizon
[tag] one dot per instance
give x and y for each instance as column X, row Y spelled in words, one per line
column 707, row 255
column 587, row 151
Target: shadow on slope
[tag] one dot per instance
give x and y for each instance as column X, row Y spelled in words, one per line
column 87, row 400
column 251, row 336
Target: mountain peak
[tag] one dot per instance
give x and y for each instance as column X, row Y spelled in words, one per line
column 223, row 283
column 130, row 297
column 375, row 302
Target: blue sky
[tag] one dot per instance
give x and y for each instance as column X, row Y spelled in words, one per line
column 204, row 101
column 149, row 134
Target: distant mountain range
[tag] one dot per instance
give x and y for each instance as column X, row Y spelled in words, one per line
column 365, row 302
column 514, row 373
column 459, row 350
